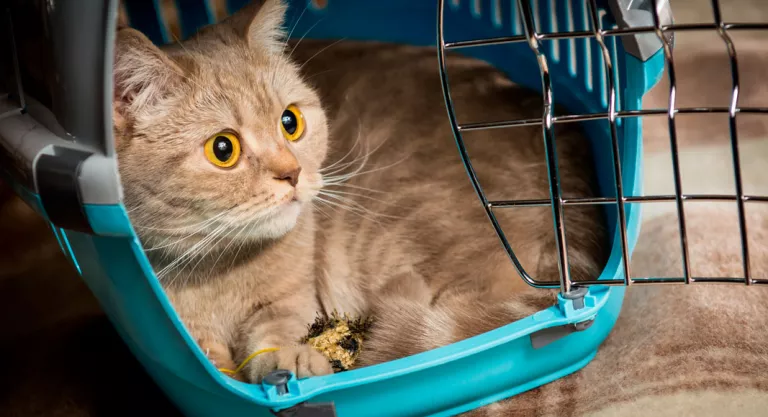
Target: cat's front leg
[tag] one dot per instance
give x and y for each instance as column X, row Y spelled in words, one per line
column 211, row 337
column 219, row 355
column 281, row 325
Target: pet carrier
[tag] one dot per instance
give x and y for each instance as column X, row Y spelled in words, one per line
column 596, row 59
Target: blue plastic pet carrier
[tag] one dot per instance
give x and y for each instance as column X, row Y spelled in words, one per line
column 587, row 56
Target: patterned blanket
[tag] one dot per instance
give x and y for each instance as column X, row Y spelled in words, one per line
column 699, row 350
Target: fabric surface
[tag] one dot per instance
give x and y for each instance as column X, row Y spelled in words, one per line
column 676, row 350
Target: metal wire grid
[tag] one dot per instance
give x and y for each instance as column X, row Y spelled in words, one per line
column 548, row 120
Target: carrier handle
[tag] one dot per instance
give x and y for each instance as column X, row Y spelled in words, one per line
column 61, row 155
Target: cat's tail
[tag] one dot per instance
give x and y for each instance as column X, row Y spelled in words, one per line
column 404, row 326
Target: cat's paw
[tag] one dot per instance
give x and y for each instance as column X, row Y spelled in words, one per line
column 301, row 360
column 220, row 357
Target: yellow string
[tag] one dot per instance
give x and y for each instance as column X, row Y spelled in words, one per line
column 248, row 359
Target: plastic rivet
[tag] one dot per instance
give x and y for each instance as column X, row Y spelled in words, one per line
column 279, row 379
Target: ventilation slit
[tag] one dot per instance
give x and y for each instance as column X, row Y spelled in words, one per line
column 497, row 18
column 571, row 42
column 554, row 29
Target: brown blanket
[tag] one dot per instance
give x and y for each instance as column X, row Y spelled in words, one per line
column 699, row 350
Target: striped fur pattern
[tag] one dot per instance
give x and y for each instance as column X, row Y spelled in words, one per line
column 394, row 229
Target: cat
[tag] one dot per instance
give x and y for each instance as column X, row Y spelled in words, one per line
column 270, row 182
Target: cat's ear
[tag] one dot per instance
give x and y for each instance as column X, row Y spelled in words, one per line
column 142, row 74
column 261, row 24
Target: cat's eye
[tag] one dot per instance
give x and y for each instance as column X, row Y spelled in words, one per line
column 292, row 123
column 223, row 149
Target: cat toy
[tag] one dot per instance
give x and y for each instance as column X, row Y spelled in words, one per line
column 338, row 337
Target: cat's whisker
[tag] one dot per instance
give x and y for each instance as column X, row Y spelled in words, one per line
column 353, row 186
column 360, row 159
column 357, row 187
column 331, row 178
column 341, row 160
column 212, row 246
column 281, row 57
column 349, row 152
column 346, row 177
column 249, row 209
column 164, row 243
column 320, row 210
column 309, row 77
column 339, row 169
column 336, row 207
column 326, row 205
column 290, row 54
column 199, row 226
column 352, row 205
column 176, row 229
column 358, row 206
column 319, row 52
column 352, row 210
column 360, row 215
column 181, row 261
column 189, row 54
column 250, row 225
column 336, row 192
column 295, row 24
column 189, row 253
column 233, row 240
column 362, row 156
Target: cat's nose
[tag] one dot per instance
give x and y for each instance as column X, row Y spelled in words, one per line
column 284, row 165
column 292, row 176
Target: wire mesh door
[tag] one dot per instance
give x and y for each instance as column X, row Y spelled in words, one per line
column 644, row 29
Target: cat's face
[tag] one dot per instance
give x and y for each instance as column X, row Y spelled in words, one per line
column 218, row 138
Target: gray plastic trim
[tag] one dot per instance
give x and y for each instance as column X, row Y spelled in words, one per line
column 8, row 107
column 549, row 335
column 9, row 47
column 80, row 120
column 23, row 138
column 638, row 13
column 576, row 295
column 59, row 189
column 22, row 141
column 82, row 43
column 99, row 181
column 546, row 336
column 308, row 410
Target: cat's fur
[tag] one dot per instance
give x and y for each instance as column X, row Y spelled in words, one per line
column 404, row 238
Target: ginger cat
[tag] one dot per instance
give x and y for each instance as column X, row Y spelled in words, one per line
column 268, row 187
